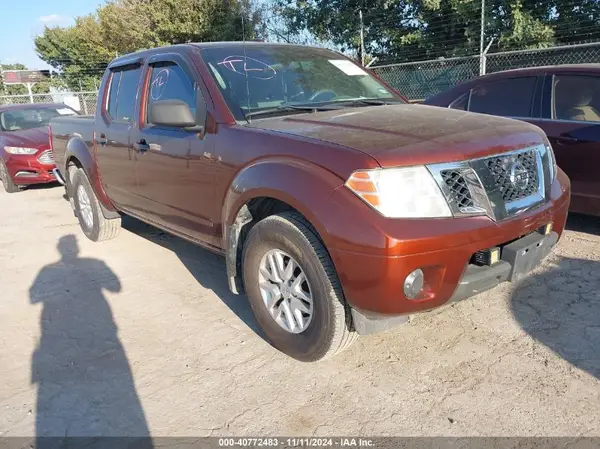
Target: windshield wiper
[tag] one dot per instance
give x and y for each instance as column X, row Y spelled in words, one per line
column 361, row 102
column 369, row 102
column 290, row 107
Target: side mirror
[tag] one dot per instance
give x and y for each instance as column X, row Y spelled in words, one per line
column 175, row 113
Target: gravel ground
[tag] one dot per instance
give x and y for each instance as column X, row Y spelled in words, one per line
column 139, row 335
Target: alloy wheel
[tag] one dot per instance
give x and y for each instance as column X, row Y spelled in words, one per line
column 85, row 207
column 285, row 291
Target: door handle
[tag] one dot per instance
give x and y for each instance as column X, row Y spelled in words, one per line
column 141, row 146
column 566, row 139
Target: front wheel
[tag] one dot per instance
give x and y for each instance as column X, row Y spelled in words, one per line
column 7, row 182
column 294, row 290
column 87, row 208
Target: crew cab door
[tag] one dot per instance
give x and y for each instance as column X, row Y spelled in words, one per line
column 175, row 182
column 112, row 127
column 571, row 119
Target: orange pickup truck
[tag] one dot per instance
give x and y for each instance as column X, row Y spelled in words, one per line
column 339, row 208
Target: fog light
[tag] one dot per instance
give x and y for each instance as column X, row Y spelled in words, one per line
column 413, row 284
column 494, row 255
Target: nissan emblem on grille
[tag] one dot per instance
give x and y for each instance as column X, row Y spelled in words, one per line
column 519, row 175
column 515, row 175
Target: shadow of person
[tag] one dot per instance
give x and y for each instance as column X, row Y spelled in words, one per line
column 84, row 382
column 560, row 308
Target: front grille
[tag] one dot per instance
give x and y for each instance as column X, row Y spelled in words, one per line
column 458, row 188
column 515, row 175
column 47, row 157
column 498, row 186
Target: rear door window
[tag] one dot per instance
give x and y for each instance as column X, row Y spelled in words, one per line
column 510, row 97
column 112, row 96
column 122, row 94
column 576, row 98
column 461, row 103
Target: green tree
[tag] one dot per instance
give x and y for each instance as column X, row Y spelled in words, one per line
column 81, row 52
column 412, row 30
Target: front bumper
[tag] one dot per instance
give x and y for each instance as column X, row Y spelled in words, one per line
column 518, row 259
column 373, row 264
column 25, row 170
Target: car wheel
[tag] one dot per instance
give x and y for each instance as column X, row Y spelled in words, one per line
column 294, row 290
column 7, row 182
column 87, row 208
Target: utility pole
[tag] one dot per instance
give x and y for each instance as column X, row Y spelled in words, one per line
column 29, row 86
column 362, row 39
column 481, row 39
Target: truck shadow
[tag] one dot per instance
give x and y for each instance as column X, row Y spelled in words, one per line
column 560, row 308
column 206, row 267
column 46, row 186
column 583, row 223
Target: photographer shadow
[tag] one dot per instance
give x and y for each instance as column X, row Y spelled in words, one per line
column 560, row 308
column 85, row 386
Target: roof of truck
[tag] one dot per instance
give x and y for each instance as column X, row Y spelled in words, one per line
column 121, row 60
column 252, row 43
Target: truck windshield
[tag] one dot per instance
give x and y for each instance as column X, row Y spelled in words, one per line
column 34, row 117
column 279, row 76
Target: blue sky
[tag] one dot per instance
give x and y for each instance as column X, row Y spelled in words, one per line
column 24, row 19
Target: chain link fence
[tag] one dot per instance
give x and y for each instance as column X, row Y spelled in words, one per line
column 415, row 80
column 422, row 79
column 84, row 102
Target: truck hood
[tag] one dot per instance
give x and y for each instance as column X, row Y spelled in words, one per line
column 407, row 134
column 29, row 138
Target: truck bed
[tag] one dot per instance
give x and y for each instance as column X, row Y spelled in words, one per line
column 63, row 128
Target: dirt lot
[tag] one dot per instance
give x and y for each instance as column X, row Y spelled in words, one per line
column 140, row 335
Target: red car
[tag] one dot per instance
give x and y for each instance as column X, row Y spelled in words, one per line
column 25, row 154
column 562, row 100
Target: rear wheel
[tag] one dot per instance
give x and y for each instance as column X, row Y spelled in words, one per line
column 294, row 290
column 7, row 182
column 87, row 208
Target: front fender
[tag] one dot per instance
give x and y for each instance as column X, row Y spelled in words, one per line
column 77, row 149
column 304, row 186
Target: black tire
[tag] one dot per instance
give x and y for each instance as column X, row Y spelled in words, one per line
column 101, row 228
column 7, row 182
column 71, row 170
column 330, row 329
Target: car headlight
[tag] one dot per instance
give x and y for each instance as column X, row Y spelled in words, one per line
column 409, row 192
column 20, row 150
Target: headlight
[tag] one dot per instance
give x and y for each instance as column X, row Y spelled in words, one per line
column 20, row 150
column 409, row 192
